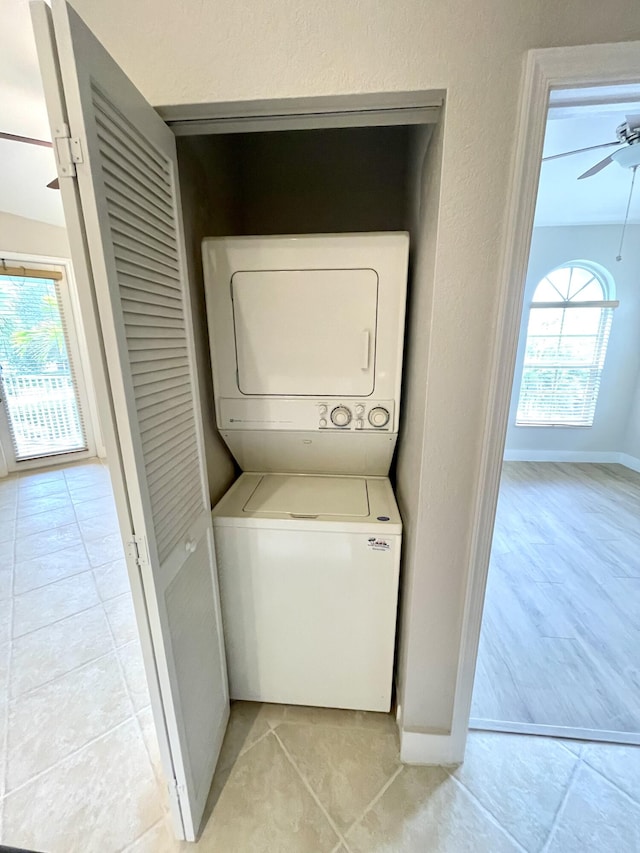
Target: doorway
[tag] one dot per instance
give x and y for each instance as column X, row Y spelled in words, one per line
column 559, row 638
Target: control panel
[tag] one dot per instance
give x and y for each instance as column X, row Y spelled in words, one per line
column 306, row 414
column 356, row 415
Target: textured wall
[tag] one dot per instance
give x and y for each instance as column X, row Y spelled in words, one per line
column 184, row 52
column 29, row 237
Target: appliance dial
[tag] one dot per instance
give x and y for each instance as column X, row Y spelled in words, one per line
column 323, row 422
column 378, row 417
column 323, row 409
column 341, row 416
column 359, row 410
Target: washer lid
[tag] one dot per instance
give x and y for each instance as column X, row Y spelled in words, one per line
column 304, row 496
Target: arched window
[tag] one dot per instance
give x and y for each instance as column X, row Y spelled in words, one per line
column 567, row 334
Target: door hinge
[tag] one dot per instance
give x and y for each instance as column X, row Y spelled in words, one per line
column 68, row 151
column 175, row 789
column 137, row 550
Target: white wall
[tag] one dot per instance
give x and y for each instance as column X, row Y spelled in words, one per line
column 29, row 237
column 220, row 51
column 424, row 178
column 631, row 443
column 550, row 248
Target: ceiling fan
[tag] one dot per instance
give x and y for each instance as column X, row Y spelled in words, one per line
column 12, row 137
column 628, row 153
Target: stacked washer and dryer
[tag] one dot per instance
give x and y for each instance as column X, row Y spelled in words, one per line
column 307, row 338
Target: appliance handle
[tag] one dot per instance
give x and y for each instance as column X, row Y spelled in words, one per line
column 365, row 349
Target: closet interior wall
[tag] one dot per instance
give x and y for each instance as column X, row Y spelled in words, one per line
column 323, row 181
column 417, row 630
column 286, row 182
column 209, row 208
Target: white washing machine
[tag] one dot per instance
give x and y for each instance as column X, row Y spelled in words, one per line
column 308, row 570
column 306, row 345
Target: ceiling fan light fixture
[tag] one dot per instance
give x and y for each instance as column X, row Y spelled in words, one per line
column 627, row 157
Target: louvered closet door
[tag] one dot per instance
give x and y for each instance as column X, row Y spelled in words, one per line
column 130, row 203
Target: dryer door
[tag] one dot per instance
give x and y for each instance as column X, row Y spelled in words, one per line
column 305, row 332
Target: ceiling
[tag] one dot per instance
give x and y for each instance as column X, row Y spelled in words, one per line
column 25, row 170
column 579, row 118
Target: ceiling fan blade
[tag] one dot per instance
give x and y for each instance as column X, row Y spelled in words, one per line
column 633, row 121
column 12, row 137
column 597, row 168
column 580, row 150
column 54, row 184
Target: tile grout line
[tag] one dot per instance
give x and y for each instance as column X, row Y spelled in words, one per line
column 45, row 585
column 611, row 782
column 72, row 574
column 56, row 546
column 374, row 801
column 129, row 845
column 73, row 669
column 69, row 755
column 161, row 784
column 307, row 785
column 58, row 621
column 5, row 722
column 485, row 810
column 560, row 810
column 243, row 752
column 122, row 672
column 84, row 544
column 113, row 651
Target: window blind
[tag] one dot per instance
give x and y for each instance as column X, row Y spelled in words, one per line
column 39, row 384
column 564, row 357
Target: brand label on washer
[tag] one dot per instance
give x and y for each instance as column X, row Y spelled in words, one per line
column 376, row 544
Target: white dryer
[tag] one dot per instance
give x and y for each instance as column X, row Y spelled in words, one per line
column 308, row 570
column 307, row 337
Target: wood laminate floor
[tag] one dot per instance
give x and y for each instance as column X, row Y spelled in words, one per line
column 560, row 641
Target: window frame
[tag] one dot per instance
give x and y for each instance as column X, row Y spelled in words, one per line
column 608, row 303
column 77, row 352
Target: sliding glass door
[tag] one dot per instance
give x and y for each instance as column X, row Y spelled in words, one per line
column 41, row 394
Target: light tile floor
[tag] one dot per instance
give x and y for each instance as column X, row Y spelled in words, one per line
column 78, row 757
column 79, row 764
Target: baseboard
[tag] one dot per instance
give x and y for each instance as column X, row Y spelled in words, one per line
column 427, row 748
column 629, row 461
column 561, row 456
column 611, row 457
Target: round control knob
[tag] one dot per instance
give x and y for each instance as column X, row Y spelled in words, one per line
column 378, row 417
column 323, row 422
column 341, row 416
column 323, row 409
column 359, row 409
